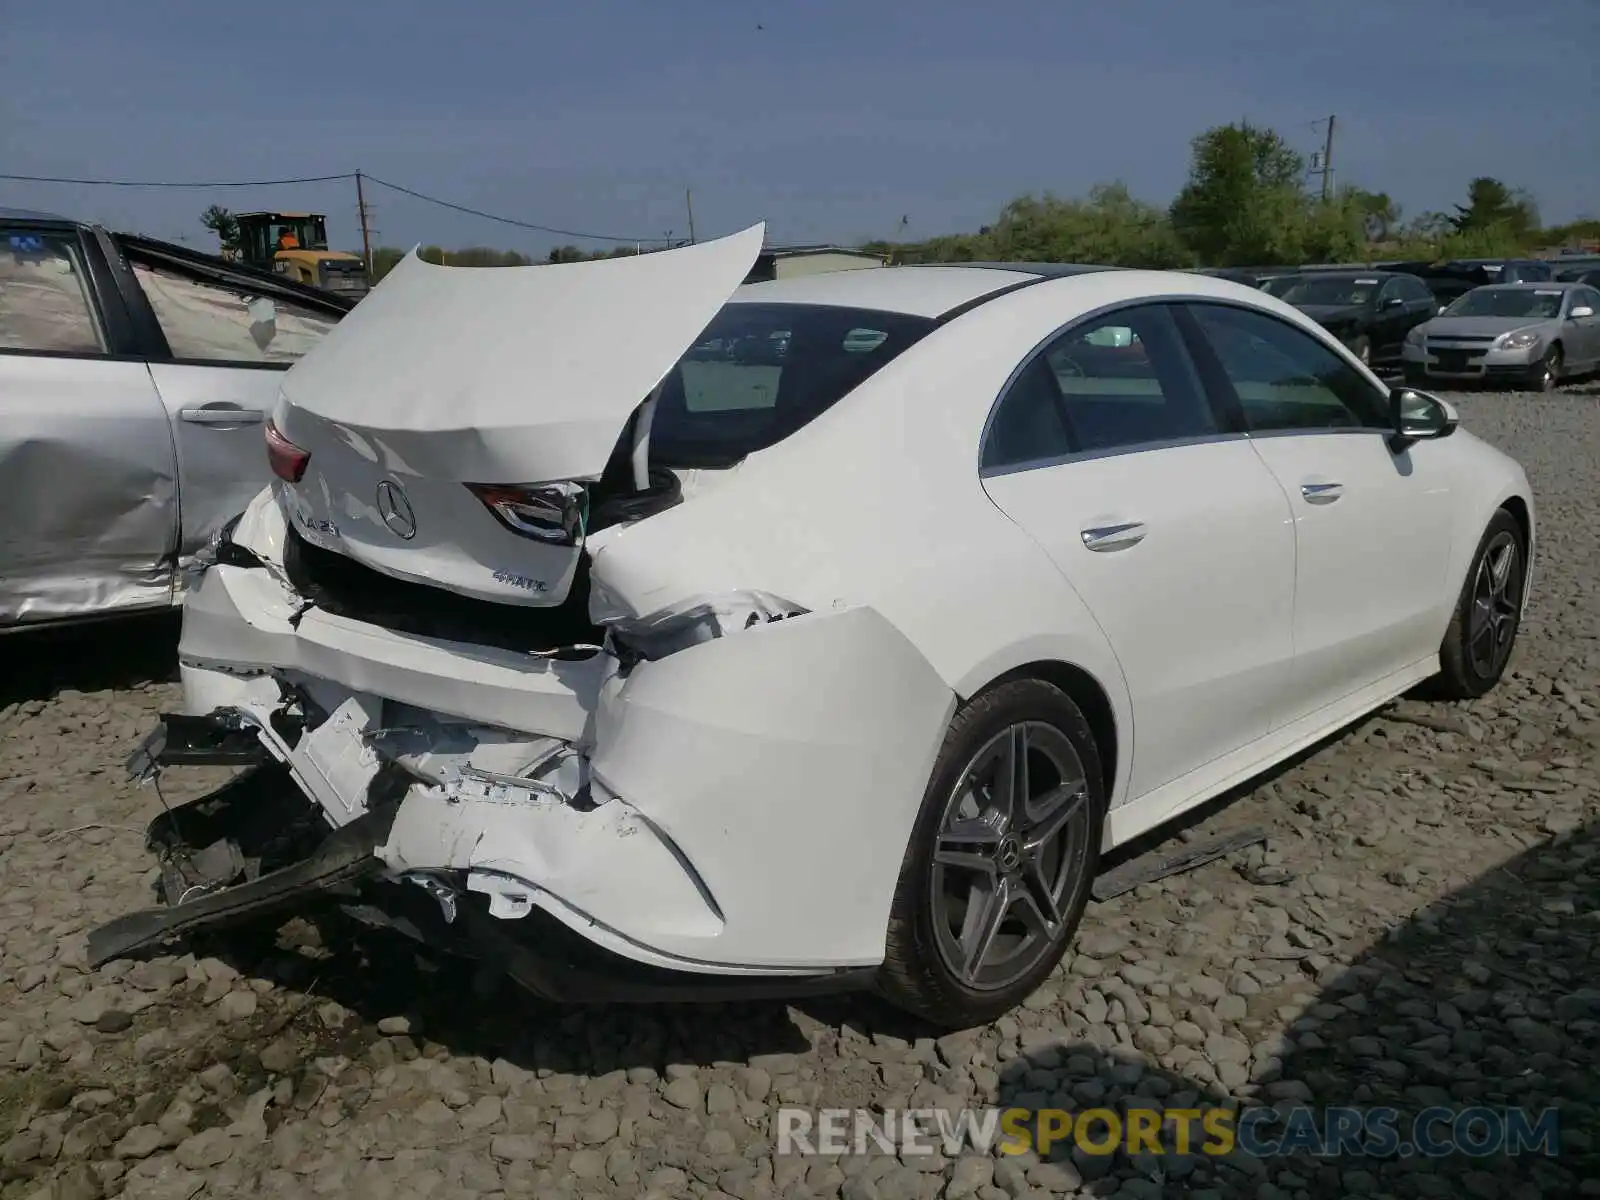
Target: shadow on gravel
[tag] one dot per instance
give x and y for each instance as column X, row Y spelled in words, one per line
column 1488, row 999
column 356, row 984
column 117, row 653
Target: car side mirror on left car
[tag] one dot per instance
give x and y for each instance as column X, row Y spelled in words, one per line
column 1583, row 310
column 1393, row 302
column 1418, row 417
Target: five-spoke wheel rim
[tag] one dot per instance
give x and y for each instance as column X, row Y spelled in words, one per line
column 1012, row 847
column 1496, row 605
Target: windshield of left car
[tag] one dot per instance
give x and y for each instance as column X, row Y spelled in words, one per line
column 1507, row 302
column 761, row 371
column 1342, row 292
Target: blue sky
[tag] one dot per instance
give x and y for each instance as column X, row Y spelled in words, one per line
column 829, row 119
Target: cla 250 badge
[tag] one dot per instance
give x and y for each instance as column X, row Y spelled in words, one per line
column 315, row 524
column 520, row 581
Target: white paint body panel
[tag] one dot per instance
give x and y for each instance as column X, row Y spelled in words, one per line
column 784, row 764
column 1372, row 561
column 1200, row 611
column 515, row 375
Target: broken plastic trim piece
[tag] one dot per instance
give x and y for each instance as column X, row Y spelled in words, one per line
column 678, row 627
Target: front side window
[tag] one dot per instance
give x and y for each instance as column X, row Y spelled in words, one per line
column 212, row 322
column 1286, row 379
column 1117, row 382
column 759, row 372
column 44, row 296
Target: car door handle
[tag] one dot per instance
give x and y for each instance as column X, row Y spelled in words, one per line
column 1102, row 538
column 1321, row 493
column 222, row 414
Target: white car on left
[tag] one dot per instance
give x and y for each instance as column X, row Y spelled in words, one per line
column 135, row 379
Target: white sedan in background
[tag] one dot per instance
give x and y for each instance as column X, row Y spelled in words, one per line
column 581, row 631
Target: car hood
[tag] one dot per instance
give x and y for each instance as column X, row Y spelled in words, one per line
column 1324, row 313
column 1486, row 326
column 525, row 374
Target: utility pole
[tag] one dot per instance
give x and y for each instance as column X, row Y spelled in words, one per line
column 366, row 233
column 688, row 200
column 1323, row 164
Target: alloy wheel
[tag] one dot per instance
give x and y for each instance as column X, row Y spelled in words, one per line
column 1496, row 605
column 1013, row 841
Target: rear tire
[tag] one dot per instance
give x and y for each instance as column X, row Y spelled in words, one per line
column 997, row 873
column 1483, row 631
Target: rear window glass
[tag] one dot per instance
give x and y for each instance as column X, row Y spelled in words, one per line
column 216, row 323
column 761, row 371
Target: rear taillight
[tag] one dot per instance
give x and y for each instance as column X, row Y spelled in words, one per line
column 288, row 461
column 550, row 512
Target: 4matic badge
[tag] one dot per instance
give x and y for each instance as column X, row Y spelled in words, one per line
column 521, row 581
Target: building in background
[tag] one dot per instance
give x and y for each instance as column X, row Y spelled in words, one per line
column 787, row 262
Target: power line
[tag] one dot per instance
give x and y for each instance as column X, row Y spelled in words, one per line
column 488, row 216
column 157, row 183
column 395, row 187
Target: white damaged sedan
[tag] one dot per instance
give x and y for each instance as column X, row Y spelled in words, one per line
column 649, row 635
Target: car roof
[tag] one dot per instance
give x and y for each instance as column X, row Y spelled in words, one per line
column 1532, row 285
column 933, row 290
column 1344, row 273
column 28, row 214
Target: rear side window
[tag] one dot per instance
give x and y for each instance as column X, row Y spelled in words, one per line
column 1117, row 383
column 213, row 323
column 761, row 371
column 44, row 297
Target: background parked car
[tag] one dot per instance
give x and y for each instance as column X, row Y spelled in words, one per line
column 1369, row 311
column 1449, row 281
column 136, row 378
column 1521, row 333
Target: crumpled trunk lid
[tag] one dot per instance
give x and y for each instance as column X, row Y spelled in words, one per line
column 448, row 376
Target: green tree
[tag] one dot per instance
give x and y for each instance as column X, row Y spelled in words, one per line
column 1245, row 198
column 1493, row 208
column 224, row 224
column 1380, row 215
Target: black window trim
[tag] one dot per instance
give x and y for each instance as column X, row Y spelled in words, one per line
column 1216, row 377
column 1220, row 394
column 1228, row 429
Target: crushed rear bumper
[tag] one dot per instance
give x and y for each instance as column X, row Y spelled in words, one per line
column 731, row 815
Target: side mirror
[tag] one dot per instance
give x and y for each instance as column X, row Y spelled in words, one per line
column 1583, row 310
column 1392, row 302
column 1419, row 417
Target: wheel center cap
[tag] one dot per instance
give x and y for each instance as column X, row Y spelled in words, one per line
column 1009, row 855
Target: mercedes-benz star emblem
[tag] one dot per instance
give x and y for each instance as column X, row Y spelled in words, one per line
column 395, row 510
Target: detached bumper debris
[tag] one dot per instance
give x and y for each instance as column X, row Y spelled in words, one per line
column 1148, row 868
column 345, row 857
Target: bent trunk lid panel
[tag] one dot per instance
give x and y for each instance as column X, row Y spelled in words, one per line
column 513, row 375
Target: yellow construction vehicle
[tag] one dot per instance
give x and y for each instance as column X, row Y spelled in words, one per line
column 296, row 245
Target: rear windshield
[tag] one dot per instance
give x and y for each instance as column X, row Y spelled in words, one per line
column 1342, row 292
column 761, row 371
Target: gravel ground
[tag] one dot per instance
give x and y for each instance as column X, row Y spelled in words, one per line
column 1420, row 929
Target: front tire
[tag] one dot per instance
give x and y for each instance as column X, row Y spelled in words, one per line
column 997, row 873
column 1546, row 374
column 1483, row 631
